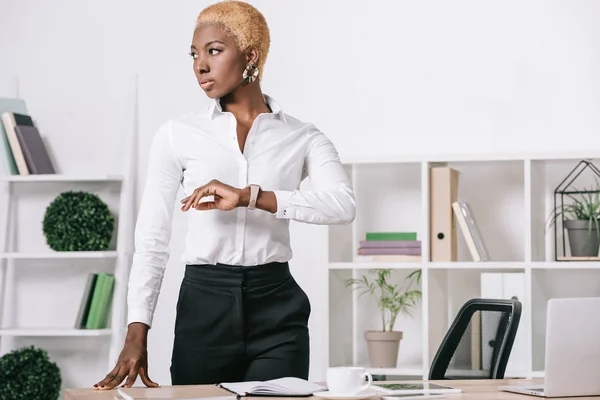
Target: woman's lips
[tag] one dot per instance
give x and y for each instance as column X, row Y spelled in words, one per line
column 205, row 84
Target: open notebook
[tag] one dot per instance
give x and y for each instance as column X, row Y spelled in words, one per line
column 288, row 387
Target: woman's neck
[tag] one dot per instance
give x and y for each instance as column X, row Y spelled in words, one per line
column 245, row 103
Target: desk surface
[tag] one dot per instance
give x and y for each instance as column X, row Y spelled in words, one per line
column 472, row 390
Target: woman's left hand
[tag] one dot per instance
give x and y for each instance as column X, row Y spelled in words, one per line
column 225, row 197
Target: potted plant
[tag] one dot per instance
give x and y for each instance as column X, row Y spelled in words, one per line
column 581, row 221
column 28, row 373
column 392, row 300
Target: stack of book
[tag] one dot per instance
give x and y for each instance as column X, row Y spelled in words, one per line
column 96, row 302
column 22, row 150
column 390, row 246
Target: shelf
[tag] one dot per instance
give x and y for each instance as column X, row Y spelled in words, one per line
column 48, row 255
column 468, row 265
column 470, row 157
column 572, row 265
column 37, row 178
column 54, row 332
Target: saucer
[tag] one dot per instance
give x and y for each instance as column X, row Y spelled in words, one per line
column 360, row 395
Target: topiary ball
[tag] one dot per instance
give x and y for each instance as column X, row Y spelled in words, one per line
column 27, row 374
column 78, row 221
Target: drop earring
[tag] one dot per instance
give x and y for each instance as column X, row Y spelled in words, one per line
column 250, row 73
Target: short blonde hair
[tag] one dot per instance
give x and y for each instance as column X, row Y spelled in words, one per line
column 246, row 25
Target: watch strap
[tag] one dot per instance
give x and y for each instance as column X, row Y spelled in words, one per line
column 254, row 189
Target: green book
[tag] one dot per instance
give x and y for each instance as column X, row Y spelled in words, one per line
column 6, row 154
column 391, row 236
column 95, row 305
column 105, row 302
column 86, row 301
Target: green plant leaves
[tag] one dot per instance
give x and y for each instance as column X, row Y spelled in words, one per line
column 78, row 221
column 27, row 374
column 584, row 207
column 392, row 299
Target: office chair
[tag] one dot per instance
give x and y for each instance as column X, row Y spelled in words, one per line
column 479, row 342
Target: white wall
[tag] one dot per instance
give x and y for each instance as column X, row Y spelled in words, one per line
column 392, row 77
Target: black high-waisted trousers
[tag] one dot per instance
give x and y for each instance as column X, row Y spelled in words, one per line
column 240, row 324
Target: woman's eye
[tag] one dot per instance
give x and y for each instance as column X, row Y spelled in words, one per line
column 213, row 52
column 193, row 55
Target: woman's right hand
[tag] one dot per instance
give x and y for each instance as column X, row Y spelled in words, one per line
column 133, row 361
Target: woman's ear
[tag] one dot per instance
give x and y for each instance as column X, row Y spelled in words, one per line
column 252, row 56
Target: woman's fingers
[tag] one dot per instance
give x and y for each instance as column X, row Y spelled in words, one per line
column 146, row 379
column 206, row 205
column 189, row 201
column 108, row 377
column 195, row 199
column 131, row 376
column 114, row 378
column 203, row 191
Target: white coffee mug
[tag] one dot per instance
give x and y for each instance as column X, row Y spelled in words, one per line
column 348, row 380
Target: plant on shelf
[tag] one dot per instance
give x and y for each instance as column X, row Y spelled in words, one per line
column 78, row 221
column 581, row 220
column 27, row 374
column 392, row 300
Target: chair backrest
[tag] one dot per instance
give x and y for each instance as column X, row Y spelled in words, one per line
column 479, row 342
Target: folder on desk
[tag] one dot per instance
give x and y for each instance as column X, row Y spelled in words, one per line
column 443, row 191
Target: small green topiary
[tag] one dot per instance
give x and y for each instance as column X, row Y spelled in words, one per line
column 78, row 221
column 27, row 374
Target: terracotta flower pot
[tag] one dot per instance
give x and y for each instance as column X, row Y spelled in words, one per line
column 383, row 348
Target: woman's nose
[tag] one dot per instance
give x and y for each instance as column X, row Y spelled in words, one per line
column 201, row 66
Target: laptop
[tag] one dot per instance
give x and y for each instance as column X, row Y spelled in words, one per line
column 572, row 350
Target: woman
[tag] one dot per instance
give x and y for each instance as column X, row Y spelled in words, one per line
column 240, row 314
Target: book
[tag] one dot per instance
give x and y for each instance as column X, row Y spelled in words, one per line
column 101, row 301
column 366, row 251
column 9, row 124
column 389, row 258
column 6, row 153
column 34, row 150
column 466, row 221
column 105, row 302
column 86, row 300
column 283, row 387
column 391, row 236
column 389, row 243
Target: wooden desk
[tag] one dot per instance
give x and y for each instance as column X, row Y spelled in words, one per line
column 472, row 390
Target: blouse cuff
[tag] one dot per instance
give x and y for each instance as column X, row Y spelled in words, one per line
column 140, row 314
column 284, row 204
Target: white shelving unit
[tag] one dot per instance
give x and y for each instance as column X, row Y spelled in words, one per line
column 511, row 196
column 71, row 267
column 11, row 258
